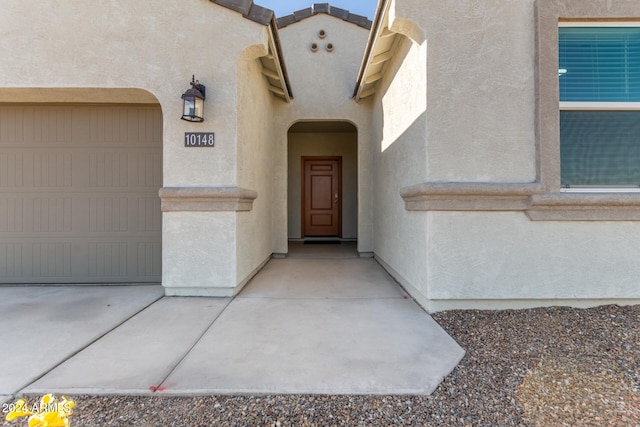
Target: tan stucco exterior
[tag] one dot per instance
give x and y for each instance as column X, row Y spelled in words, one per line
column 451, row 170
column 142, row 46
column 322, row 83
column 478, row 167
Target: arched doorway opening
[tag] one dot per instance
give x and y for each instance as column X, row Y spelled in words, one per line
column 323, row 181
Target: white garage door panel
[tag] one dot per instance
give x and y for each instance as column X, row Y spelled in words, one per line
column 79, row 194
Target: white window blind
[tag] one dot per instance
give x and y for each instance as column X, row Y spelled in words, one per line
column 599, row 64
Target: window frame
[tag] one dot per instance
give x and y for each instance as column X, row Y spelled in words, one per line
column 597, row 106
column 550, row 14
column 552, row 204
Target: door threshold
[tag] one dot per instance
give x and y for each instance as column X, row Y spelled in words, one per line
column 322, row 241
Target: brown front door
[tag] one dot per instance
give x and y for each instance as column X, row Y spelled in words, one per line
column 321, row 196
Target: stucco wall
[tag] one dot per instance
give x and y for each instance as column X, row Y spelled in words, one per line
column 480, row 88
column 490, row 256
column 255, row 163
column 138, row 44
column 324, row 144
column 322, row 84
column 503, row 260
column 400, row 130
column 197, row 253
column 156, row 46
column 480, row 127
column 458, row 106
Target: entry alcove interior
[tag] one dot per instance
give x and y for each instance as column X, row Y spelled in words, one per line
column 323, row 138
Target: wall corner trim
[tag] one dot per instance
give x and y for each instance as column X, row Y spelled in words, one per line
column 206, row 199
column 469, row 196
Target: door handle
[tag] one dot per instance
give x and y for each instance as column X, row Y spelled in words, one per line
column 335, row 199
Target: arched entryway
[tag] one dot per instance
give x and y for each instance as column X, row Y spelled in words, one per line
column 322, row 162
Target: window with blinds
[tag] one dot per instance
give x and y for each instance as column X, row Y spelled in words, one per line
column 599, row 80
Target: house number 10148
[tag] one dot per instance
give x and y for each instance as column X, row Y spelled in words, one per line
column 199, row 139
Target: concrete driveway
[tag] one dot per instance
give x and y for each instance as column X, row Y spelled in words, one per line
column 322, row 320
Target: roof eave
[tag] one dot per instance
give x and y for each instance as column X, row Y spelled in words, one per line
column 326, row 8
column 382, row 11
column 274, row 39
column 265, row 17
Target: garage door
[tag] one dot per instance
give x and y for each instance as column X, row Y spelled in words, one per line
column 79, row 194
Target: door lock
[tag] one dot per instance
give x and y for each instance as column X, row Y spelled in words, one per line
column 335, row 200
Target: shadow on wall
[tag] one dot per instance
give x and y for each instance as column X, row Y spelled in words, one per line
column 405, row 99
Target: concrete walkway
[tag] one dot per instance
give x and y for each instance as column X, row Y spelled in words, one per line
column 322, row 320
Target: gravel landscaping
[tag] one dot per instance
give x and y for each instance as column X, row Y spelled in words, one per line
column 538, row 367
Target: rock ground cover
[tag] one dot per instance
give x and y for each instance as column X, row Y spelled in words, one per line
column 549, row 366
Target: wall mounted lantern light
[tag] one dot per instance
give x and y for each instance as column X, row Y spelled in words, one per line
column 193, row 99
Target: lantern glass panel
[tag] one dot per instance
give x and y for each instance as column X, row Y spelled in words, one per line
column 199, row 108
column 189, row 106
